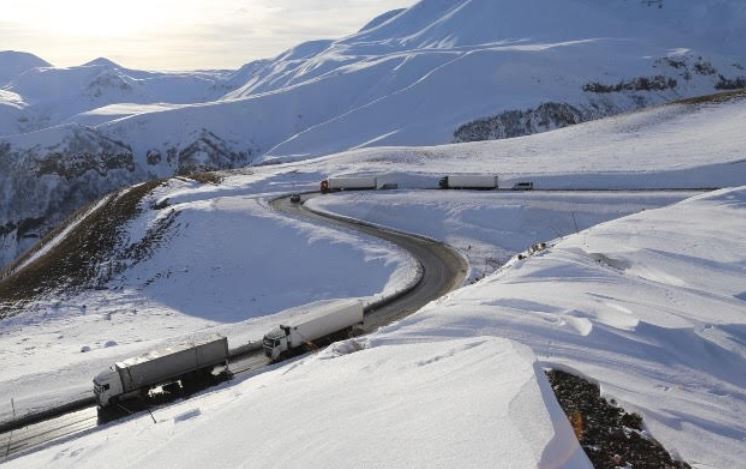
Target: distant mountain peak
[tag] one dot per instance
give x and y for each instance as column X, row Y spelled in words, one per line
column 381, row 19
column 14, row 63
column 102, row 62
column 8, row 55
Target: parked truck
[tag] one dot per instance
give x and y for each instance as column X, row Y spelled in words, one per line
column 469, row 181
column 186, row 361
column 307, row 328
column 349, row 183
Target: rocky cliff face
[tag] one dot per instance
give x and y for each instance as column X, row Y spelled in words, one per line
column 42, row 185
column 517, row 123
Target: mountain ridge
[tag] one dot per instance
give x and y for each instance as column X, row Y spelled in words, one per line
column 437, row 72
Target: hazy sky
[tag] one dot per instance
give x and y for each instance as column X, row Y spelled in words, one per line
column 177, row 34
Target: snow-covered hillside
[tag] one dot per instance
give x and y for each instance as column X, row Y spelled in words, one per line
column 13, row 64
column 650, row 306
column 193, row 258
column 687, row 145
column 418, row 76
column 438, row 72
column 56, row 95
column 676, row 146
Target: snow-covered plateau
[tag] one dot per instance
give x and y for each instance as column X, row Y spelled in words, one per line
column 437, row 72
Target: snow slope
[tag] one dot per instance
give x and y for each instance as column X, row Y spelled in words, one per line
column 13, row 64
column 674, row 146
column 677, row 146
column 651, row 306
column 477, row 58
column 416, row 76
column 55, row 95
column 489, row 228
column 225, row 264
column 466, row 403
column 438, row 72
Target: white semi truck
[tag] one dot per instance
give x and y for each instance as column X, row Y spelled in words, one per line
column 469, row 181
column 349, row 183
column 306, row 328
column 134, row 377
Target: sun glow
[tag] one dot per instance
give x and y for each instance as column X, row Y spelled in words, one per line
column 175, row 34
column 101, row 19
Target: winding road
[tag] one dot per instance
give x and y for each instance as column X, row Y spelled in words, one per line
column 443, row 270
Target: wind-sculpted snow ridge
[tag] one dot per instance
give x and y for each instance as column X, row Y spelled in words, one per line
column 480, row 402
column 650, row 306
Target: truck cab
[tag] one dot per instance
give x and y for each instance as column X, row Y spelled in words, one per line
column 106, row 385
column 275, row 342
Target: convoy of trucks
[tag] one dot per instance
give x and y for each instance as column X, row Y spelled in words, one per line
column 193, row 361
column 197, row 359
column 186, row 361
column 453, row 181
column 305, row 329
column 469, row 181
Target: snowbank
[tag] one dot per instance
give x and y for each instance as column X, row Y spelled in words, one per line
column 487, row 227
column 651, row 306
column 479, row 402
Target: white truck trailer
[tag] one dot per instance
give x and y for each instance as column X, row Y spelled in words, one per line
column 349, row 183
column 469, row 181
column 306, row 328
column 134, row 377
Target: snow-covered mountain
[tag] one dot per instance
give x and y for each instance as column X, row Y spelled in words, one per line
column 438, row 72
column 13, row 63
column 650, row 306
column 51, row 96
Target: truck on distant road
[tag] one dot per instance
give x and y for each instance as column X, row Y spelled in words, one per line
column 469, row 181
column 307, row 328
column 185, row 362
column 349, row 183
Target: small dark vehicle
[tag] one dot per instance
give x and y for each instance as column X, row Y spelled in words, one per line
column 295, row 198
column 523, row 186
